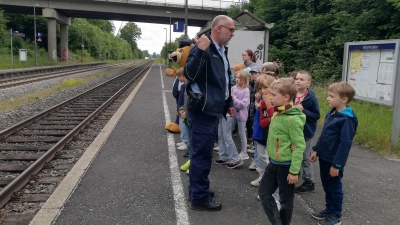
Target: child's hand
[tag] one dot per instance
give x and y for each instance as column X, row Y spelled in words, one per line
column 267, row 100
column 313, row 157
column 334, row 172
column 292, row 179
column 257, row 96
column 293, row 147
column 300, row 106
column 233, row 96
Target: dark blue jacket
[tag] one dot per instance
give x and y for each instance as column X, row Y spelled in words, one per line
column 311, row 110
column 206, row 68
column 181, row 99
column 337, row 137
column 175, row 87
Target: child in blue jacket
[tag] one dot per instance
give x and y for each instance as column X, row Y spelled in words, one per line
column 333, row 149
column 308, row 104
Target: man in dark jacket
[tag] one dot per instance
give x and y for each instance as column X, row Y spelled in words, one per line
column 207, row 70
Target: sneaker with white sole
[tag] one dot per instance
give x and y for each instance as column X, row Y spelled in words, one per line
column 182, row 147
column 256, row 182
column 216, row 149
column 252, row 166
column 234, row 165
column 251, row 150
column 180, row 144
column 244, row 155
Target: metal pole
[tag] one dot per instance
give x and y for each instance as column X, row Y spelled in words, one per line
column 166, row 44
column 186, row 18
column 34, row 18
column 82, row 44
column 170, row 40
column 12, row 54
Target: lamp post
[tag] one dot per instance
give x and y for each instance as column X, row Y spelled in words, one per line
column 166, row 44
column 170, row 40
column 82, row 46
column 34, row 24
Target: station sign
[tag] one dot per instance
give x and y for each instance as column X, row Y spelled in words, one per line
column 179, row 26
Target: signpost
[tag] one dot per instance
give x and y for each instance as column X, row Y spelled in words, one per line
column 179, row 26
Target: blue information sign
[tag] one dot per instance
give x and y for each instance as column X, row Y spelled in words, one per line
column 38, row 35
column 179, row 26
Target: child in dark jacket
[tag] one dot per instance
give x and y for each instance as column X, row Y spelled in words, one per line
column 308, row 104
column 333, row 149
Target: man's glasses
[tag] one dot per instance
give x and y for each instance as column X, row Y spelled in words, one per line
column 230, row 29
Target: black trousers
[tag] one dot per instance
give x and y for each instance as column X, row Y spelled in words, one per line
column 276, row 176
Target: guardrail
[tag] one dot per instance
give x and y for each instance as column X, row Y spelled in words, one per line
column 204, row 4
column 12, row 73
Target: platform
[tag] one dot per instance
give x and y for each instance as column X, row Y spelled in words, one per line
column 134, row 177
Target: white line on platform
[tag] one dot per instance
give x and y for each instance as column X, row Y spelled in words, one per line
column 182, row 217
column 162, row 80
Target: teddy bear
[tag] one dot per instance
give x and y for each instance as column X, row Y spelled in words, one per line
column 179, row 56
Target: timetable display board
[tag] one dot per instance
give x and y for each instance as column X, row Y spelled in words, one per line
column 371, row 68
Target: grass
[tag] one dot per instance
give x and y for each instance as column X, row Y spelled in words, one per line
column 10, row 104
column 374, row 122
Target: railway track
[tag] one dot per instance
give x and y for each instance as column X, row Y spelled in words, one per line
column 30, row 146
column 13, row 82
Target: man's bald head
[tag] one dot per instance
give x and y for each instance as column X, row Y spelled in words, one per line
column 221, row 19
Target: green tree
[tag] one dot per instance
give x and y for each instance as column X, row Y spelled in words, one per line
column 104, row 25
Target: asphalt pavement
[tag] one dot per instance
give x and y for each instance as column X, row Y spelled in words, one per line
column 129, row 182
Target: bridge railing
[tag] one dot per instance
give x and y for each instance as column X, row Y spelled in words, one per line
column 196, row 4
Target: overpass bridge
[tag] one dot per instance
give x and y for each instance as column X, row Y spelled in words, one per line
column 148, row 11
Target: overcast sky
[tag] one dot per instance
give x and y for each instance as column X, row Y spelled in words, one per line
column 153, row 35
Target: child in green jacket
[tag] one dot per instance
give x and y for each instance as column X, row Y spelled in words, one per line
column 286, row 129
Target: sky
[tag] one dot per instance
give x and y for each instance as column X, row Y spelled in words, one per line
column 153, row 35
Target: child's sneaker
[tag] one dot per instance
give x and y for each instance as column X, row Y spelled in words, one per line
column 306, row 187
column 244, row 155
column 234, row 165
column 182, row 147
column 251, row 150
column 186, row 166
column 180, row 144
column 330, row 220
column 252, row 166
column 221, row 162
column 256, row 182
column 321, row 215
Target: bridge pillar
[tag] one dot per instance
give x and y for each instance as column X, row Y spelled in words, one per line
column 54, row 17
column 52, row 38
column 64, row 42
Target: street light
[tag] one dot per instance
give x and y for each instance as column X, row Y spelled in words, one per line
column 166, row 44
column 34, row 24
column 82, row 45
column 170, row 40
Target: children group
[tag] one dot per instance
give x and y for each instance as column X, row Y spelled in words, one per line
column 275, row 119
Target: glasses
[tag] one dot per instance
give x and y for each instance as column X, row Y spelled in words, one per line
column 230, row 29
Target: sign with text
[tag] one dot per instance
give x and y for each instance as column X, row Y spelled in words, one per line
column 179, row 26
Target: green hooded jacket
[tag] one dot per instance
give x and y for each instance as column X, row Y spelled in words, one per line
column 287, row 129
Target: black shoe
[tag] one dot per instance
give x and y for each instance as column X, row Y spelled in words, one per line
column 210, row 206
column 212, row 194
column 186, row 155
column 306, row 187
column 222, row 162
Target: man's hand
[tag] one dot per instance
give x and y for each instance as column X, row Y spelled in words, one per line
column 182, row 114
column 334, row 172
column 313, row 157
column 292, row 179
column 231, row 111
column 203, row 42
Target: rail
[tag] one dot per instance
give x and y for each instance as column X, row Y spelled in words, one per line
column 12, row 73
